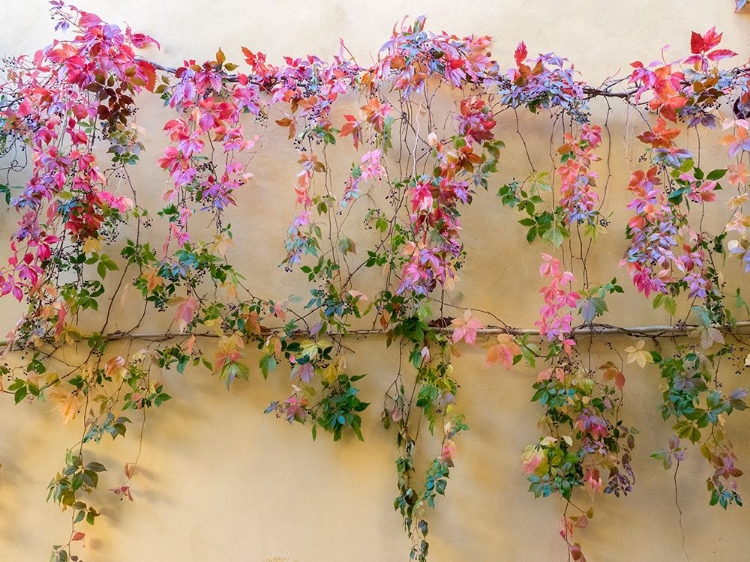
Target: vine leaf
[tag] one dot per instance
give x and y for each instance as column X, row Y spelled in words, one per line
column 708, row 336
column 636, row 354
column 503, row 351
column 67, row 404
column 466, row 328
column 591, row 308
column 611, row 372
column 186, row 311
column 706, row 332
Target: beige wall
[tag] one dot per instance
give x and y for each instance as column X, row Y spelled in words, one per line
column 219, row 480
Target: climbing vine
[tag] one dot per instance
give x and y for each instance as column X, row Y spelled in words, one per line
column 425, row 123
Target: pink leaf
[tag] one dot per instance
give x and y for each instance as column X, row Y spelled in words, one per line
column 186, row 311
column 466, row 329
column 449, row 452
column 304, row 371
column 88, row 19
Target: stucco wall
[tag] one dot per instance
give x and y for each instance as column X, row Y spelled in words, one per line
column 219, row 480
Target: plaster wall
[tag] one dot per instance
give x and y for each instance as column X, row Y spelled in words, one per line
column 219, row 480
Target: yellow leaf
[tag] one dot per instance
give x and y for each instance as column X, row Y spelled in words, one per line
column 215, row 323
column 330, row 373
column 221, row 244
column 92, row 244
column 334, row 368
column 638, row 355
column 309, row 349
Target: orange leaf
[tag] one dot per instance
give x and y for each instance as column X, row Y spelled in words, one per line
column 660, row 136
column 503, row 351
column 611, row 372
column 220, row 56
column 67, row 404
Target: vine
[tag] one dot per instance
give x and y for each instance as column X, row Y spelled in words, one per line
column 85, row 239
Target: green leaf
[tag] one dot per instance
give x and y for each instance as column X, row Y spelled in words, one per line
column 346, row 245
column 703, row 316
column 658, row 300
column 20, row 394
column 555, row 235
column 91, row 515
column 267, row 365
column 714, row 497
column 381, row 224
column 531, row 234
column 740, row 302
column 591, row 308
column 713, row 399
column 670, row 305
column 77, row 481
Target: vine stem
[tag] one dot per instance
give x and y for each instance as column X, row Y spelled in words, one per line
column 679, row 510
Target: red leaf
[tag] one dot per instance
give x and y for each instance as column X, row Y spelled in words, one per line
column 719, row 54
column 696, row 43
column 711, row 39
column 77, row 536
column 521, row 53
column 351, row 127
column 139, row 40
column 576, row 552
column 249, row 55
column 660, row 137
column 148, row 73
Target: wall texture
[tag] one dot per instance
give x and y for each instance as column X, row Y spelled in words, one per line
column 219, row 480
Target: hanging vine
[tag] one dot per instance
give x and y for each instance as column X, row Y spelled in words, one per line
column 428, row 144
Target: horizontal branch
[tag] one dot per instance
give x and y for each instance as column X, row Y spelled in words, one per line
column 583, row 330
column 604, row 93
column 590, row 92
